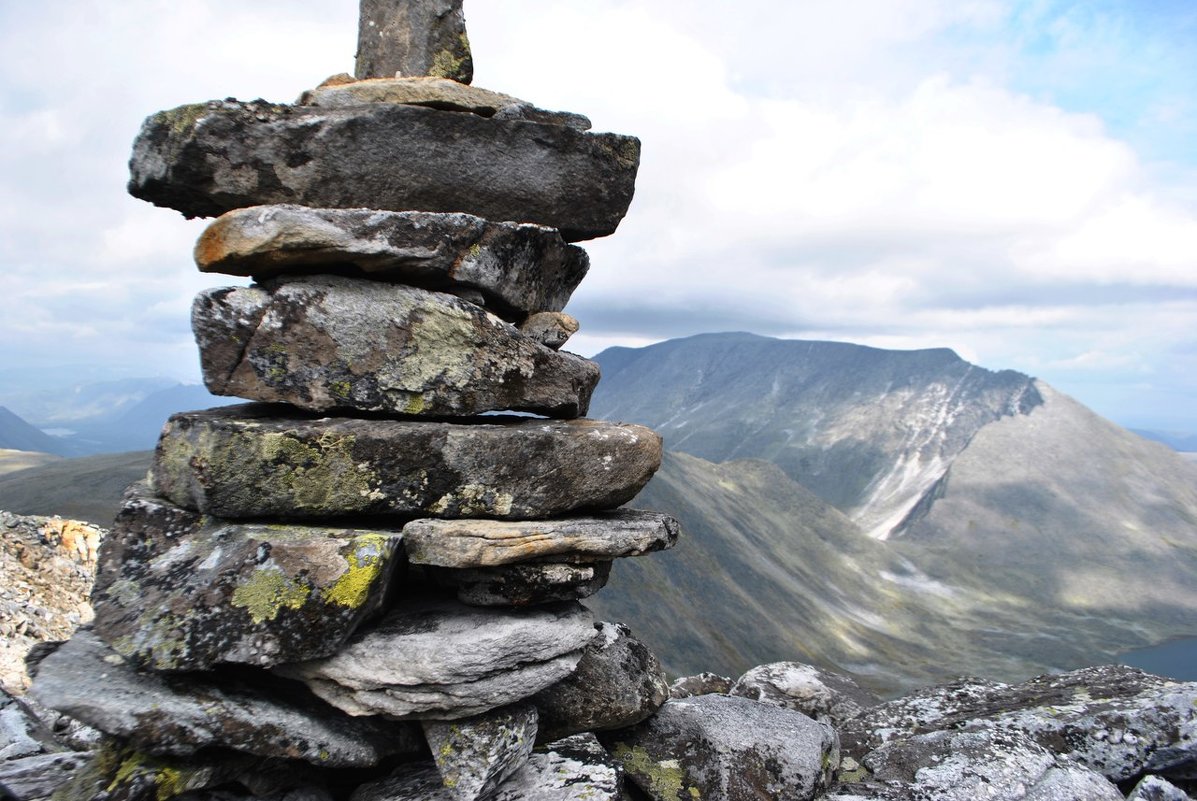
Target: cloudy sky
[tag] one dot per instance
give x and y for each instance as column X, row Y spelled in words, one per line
column 1014, row 180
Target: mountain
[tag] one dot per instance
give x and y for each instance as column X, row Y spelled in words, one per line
column 138, row 424
column 56, row 403
column 1176, row 440
column 18, row 435
column 1031, row 535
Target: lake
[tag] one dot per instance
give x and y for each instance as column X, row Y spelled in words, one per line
column 1176, row 659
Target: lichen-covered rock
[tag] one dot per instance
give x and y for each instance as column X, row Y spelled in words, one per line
column 180, row 715
column 1116, row 720
column 332, row 342
column 520, row 585
column 733, row 749
column 489, row 543
column 700, row 684
column 246, row 462
column 965, row 766
column 574, row 769
column 550, row 328
column 413, row 37
column 475, row 755
column 618, row 683
column 1153, row 788
column 180, row 591
column 443, row 660
column 821, row 694
column 208, row 158
column 520, row 269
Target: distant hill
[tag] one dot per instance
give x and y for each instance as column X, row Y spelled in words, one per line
column 1176, row 440
column 87, row 488
column 18, row 435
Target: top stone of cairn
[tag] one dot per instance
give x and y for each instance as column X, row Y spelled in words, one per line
column 412, row 38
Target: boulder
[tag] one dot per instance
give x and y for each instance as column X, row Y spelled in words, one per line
column 249, row 462
column 732, row 749
column 181, row 591
column 965, row 766
column 332, row 342
column 475, row 755
column 1116, row 720
column 521, row 585
column 413, row 37
column 36, row 777
column 618, row 683
column 550, row 328
column 208, row 158
column 519, row 269
column 180, row 715
column 821, row 694
column 700, row 684
column 489, row 543
column 1153, row 788
column 444, row 660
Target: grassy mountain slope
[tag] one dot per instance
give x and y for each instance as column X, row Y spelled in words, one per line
column 87, row 488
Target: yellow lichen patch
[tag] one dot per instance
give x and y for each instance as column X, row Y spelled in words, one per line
column 268, row 592
column 665, row 778
column 182, row 119
column 322, row 475
column 367, row 559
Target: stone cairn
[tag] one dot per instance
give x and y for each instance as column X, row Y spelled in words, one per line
column 362, row 584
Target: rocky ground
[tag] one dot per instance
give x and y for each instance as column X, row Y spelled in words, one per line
column 46, row 571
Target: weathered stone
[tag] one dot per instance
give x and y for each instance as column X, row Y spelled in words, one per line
column 438, row 93
column 489, row 543
column 162, row 714
column 521, row 585
column 618, row 683
column 442, row 660
column 1153, row 788
column 243, row 461
column 550, row 328
column 821, row 694
column 520, row 269
column 700, row 684
column 209, row 158
column 965, row 766
column 331, row 342
column 1116, row 720
column 717, row 746
column 180, row 591
column 475, row 755
column 575, row 769
column 413, row 37
column 35, row 777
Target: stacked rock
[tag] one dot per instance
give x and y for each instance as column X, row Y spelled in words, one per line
column 364, row 582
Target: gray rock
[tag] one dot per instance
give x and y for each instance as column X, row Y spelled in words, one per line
column 964, row 766
column 489, row 543
column 22, row 734
column 413, row 37
column 575, row 769
column 821, row 694
column 717, row 746
column 521, row 585
column 180, row 591
column 160, row 714
column 331, row 342
column 1153, row 788
column 443, row 660
column 519, row 269
column 618, row 683
column 246, row 462
column 475, row 755
column 1116, row 720
column 700, row 684
column 32, row 778
column 208, row 158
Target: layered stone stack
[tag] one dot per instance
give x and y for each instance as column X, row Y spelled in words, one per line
column 363, row 582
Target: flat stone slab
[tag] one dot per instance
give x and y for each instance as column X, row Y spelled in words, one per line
column 331, row 342
column 208, row 158
column 177, row 590
column 521, row 269
column 441, row 660
column 521, row 585
column 475, row 755
column 489, row 543
column 162, row 714
column 248, row 462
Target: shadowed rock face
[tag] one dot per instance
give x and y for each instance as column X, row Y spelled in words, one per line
column 209, row 158
column 412, row 38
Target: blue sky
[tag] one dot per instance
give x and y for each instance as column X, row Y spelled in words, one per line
column 1014, row 180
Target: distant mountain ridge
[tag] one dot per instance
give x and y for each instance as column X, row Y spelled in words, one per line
column 870, row 431
column 18, row 435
